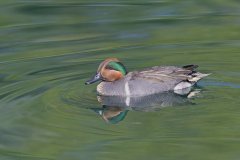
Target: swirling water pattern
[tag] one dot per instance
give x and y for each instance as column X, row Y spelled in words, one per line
column 49, row 48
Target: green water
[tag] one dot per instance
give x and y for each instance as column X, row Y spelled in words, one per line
column 49, row 48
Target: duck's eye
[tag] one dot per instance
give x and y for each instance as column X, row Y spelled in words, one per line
column 109, row 67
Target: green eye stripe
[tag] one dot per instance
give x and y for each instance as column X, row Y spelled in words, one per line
column 117, row 66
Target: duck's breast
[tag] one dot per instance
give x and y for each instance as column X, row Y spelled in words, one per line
column 111, row 88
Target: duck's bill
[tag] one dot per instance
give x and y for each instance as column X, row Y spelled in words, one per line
column 94, row 79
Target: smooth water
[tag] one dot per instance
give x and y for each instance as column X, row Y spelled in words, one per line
column 50, row 48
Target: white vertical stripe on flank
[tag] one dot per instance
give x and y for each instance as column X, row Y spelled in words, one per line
column 127, row 91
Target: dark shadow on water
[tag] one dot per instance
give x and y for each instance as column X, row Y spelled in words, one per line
column 115, row 108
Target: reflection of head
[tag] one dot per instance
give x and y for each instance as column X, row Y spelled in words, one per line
column 111, row 114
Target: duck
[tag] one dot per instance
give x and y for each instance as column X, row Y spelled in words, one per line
column 115, row 80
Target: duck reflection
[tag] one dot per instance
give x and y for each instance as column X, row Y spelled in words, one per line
column 114, row 108
column 112, row 114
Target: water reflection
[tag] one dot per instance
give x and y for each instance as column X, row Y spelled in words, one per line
column 111, row 114
column 115, row 108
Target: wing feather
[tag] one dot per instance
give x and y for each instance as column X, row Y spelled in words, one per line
column 163, row 74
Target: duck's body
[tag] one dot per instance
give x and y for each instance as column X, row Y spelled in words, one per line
column 149, row 81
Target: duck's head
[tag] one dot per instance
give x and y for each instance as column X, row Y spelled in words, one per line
column 111, row 69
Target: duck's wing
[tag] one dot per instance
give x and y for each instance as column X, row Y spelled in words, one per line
column 165, row 74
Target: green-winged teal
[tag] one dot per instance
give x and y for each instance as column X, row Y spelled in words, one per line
column 116, row 81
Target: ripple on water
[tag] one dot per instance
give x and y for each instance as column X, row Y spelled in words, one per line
column 45, row 107
column 52, row 86
column 52, row 100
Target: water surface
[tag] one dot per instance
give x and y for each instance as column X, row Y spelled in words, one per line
column 50, row 48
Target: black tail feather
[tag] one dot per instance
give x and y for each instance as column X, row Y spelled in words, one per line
column 190, row 67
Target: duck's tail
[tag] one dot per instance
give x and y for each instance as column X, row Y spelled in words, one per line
column 194, row 77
